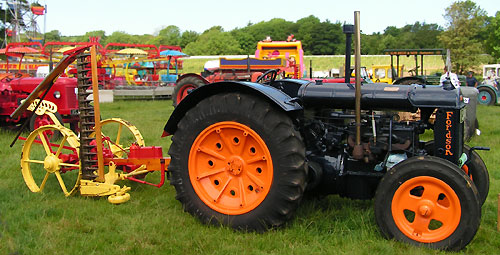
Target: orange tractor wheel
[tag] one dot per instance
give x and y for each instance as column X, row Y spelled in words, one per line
column 238, row 161
column 428, row 201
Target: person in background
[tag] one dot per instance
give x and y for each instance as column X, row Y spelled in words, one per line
column 452, row 77
column 471, row 80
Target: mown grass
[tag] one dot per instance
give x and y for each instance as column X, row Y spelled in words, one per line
column 153, row 222
column 432, row 64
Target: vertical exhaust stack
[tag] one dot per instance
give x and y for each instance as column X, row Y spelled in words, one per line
column 358, row 149
column 348, row 31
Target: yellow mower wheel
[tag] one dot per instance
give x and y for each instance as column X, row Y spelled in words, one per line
column 42, row 157
column 117, row 139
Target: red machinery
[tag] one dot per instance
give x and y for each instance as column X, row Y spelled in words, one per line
column 15, row 87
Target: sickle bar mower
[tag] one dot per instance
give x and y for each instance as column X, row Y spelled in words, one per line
column 79, row 163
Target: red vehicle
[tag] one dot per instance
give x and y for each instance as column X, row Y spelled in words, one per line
column 16, row 86
column 62, row 94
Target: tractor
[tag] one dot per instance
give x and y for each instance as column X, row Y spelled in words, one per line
column 286, row 56
column 243, row 154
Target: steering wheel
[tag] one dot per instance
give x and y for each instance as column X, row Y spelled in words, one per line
column 271, row 73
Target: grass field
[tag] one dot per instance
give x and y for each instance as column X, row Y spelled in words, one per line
column 432, row 64
column 153, row 222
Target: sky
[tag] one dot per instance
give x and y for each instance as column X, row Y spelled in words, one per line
column 72, row 17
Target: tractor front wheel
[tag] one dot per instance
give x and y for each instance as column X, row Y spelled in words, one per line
column 238, row 161
column 428, row 201
column 486, row 96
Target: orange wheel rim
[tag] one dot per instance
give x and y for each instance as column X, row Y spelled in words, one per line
column 230, row 168
column 426, row 209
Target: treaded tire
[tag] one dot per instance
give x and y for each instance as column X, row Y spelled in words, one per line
column 477, row 171
column 182, row 87
column 281, row 139
column 444, row 175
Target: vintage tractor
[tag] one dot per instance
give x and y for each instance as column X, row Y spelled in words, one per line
column 243, row 154
column 286, row 56
column 60, row 102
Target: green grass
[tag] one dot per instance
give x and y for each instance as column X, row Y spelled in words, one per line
column 153, row 222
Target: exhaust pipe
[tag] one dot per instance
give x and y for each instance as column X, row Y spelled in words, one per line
column 358, row 149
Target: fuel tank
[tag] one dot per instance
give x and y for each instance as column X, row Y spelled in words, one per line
column 379, row 96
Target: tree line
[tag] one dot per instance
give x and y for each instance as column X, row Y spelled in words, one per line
column 469, row 33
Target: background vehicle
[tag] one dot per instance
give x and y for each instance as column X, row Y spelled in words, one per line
column 17, row 85
column 416, row 78
column 286, row 56
column 488, row 90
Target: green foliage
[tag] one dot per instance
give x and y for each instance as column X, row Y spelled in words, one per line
column 170, row 35
column 53, row 36
column 214, row 42
column 188, row 37
column 492, row 42
column 415, row 36
column 465, row 22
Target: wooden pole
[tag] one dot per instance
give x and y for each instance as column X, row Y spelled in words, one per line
column 97, row 115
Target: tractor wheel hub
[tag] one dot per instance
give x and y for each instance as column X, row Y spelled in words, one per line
column 425, row 209
column 235, row 165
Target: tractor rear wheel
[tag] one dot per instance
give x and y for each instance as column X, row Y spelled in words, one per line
column 428, row 201
column 238, row 161
column 184, row 87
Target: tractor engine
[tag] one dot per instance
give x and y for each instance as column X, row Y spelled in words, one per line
column 329, row 131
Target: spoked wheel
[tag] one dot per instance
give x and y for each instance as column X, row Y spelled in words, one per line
column 118, row 135
column 428, row 201
column 238, row 161
column 42, row 158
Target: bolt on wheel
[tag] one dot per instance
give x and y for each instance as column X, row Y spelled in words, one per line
column 428, row 201
column 230, row 168
column 43, row 157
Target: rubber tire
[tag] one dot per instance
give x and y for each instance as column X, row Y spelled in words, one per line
column 477, row 171
column 490, row 92
column 444, row 171
column 191, row 81
column 283, row 141
column 33, row 118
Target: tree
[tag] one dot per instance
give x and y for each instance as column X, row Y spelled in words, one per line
column 188, row 37
column 214, row 42
column 170, row 35
column 53, row 36
column 493, row 37
column 465, row 22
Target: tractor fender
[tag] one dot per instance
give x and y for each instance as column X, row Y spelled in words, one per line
column 273, row 95
column 496, row 90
